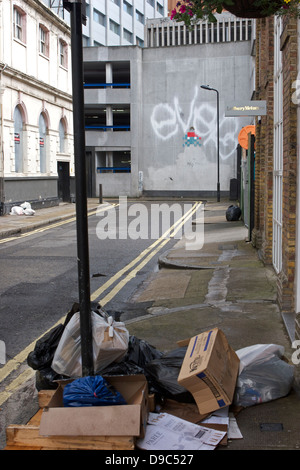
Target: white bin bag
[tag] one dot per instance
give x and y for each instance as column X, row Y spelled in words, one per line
column 110, row 344
column 263, row 375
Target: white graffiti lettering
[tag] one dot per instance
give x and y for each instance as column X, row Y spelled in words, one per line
column 167, row 121
column 163, row 120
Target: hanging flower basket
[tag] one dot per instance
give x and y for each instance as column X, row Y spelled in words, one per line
column 191, row 11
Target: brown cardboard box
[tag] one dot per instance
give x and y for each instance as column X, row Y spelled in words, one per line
column 117, row 420
column 209, row 370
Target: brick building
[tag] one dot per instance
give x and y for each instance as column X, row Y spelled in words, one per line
column 276, row 161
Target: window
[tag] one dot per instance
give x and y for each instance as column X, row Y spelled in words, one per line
column 151, row 2
column 117, row 2
column 62, row 135
column 127, row 7
column 44, row 40
column 19, row 23
column 115, row 27
column 127, row 35
column 113, row 162
column 18, row 130
column 63, row 53
column 42, row 134
column 85, row 41
column 160, row 9
column 139, row 16
column 99, row 17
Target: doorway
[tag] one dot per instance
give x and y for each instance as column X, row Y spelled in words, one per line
column 63, row 184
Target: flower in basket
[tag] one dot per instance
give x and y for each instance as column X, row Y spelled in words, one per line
column 190, row 11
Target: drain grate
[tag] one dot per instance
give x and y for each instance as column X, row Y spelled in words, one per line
column 269, row 427
column 227, row 247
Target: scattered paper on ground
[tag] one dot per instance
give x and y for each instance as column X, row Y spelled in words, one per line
column 223, row 417
column 167, row 432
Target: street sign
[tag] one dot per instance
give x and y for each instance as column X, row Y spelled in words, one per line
column 246, row 108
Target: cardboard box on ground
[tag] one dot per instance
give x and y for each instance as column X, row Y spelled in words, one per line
column 209, row 370
column 115, row 420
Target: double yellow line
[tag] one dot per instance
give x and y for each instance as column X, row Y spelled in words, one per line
column 142, row 259
column 133, row 267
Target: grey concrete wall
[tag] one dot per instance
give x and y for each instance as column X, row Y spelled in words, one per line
column 166, row 101
column 108, row 140
column 114, row 184
column 173, row 102
column 40, row 192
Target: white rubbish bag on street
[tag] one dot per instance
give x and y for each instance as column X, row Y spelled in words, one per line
column 263, row 375
column 27, row 208
column 26, row 205
column 110, row 344
column 23, row 209
column 17, row 210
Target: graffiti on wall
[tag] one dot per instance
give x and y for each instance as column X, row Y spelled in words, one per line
column 168, row 121
column 191, row 138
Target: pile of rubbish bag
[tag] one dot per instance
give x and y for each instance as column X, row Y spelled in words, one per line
column 264, row 373
column 23, row 209
column 56, row 356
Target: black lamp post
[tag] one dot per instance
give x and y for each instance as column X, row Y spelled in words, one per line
column 77, row 10
column 206, row 87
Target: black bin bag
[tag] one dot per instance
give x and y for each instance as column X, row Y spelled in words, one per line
column 162, row 374
column 139, row 353
column 40, row 359
column 233, row 213
column 42, row 355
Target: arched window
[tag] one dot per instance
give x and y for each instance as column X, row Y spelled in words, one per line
column 18, row 130
column 42, row 134
column 62, row 135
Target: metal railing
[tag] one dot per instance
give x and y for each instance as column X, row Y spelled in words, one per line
column 106, row 128
column 113, row 169
column 106, row 85
column 165, row 32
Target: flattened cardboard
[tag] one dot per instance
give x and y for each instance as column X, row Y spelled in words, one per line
column 209, row 370
column 116, row 420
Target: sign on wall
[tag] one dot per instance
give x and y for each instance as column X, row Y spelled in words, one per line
column 247, row 108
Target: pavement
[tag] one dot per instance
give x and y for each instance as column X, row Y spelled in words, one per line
column 221, row 284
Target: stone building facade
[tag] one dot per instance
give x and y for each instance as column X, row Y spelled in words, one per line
column 36, row 105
